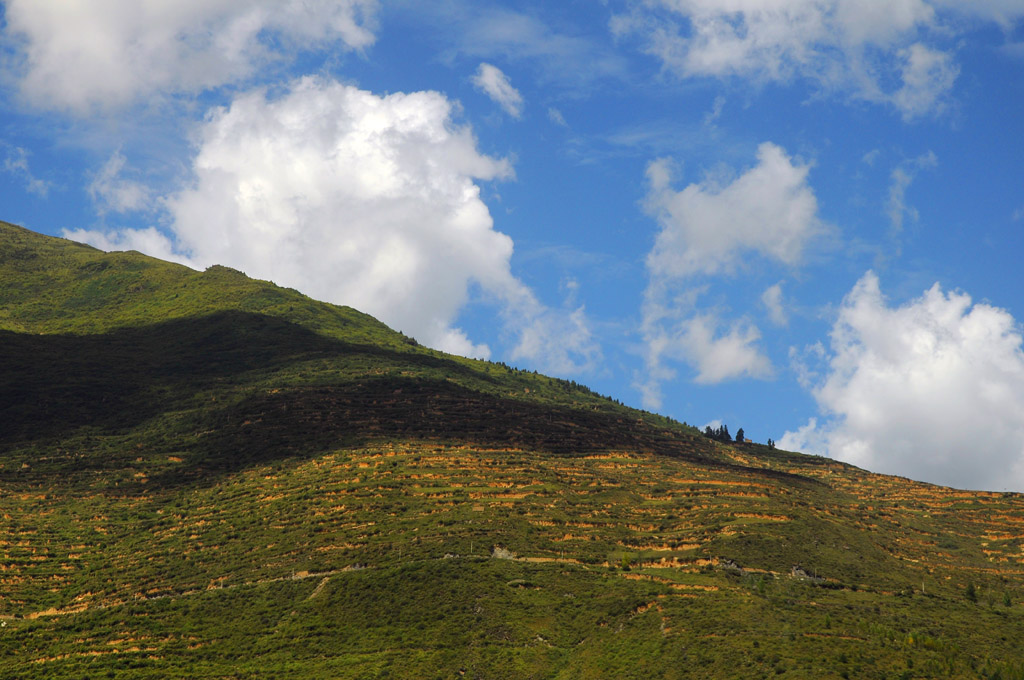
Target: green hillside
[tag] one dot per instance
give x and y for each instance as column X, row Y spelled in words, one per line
column 207, row 476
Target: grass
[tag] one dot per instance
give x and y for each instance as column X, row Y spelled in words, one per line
column 208, row 476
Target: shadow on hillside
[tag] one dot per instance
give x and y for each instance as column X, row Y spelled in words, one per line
column 52, row 385
column 304, row 422
column 294, row 422
column 57, row 386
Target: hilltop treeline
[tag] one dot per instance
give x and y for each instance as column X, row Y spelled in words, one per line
column 721, row 433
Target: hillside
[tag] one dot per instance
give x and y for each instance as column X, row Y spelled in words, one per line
column 204, row 475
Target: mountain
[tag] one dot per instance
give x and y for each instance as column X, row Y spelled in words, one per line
column 208, row 476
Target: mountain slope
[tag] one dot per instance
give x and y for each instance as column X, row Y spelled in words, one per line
column 204, row 475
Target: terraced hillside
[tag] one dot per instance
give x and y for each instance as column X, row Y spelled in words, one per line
column 202, row 475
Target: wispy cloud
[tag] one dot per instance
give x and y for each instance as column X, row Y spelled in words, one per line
column 675, row 331
column 112, row 192
column 772, row 301
column 576, row 62
column 707, row 229
column 490, row 80
column 901, row 177
column 16, row 163
column 715, row 113
column 556, row 117
column 901, row 57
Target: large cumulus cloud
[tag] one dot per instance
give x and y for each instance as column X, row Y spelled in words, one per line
column 361, row 200
column 932, row 389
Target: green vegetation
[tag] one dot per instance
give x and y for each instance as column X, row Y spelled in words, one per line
column 207, row 476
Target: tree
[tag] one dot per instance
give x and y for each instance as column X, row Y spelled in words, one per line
column 739, row 435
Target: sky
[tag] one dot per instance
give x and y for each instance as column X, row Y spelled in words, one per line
column 804, row 218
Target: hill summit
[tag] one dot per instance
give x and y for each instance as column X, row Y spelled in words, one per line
column 208, row 476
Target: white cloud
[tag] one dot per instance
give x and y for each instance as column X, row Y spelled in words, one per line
column 808, row 364
column 365, row 201
column 674, row 333
column 16, row 163
column 556, row 117
column 712, row 116
column 927, row 77
column 113, row 193
column 723, row 356
column 491, row 81
column 705, row 228
column 150, row 241
column 560, row 339
column 88, row 56
column 771, row 39
column 900, row 179
column 932, row 389
column 772, row 300
column 866, row 50
column 896, row 208
column 714, row 424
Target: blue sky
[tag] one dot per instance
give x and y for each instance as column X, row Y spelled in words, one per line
column 800, row 217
